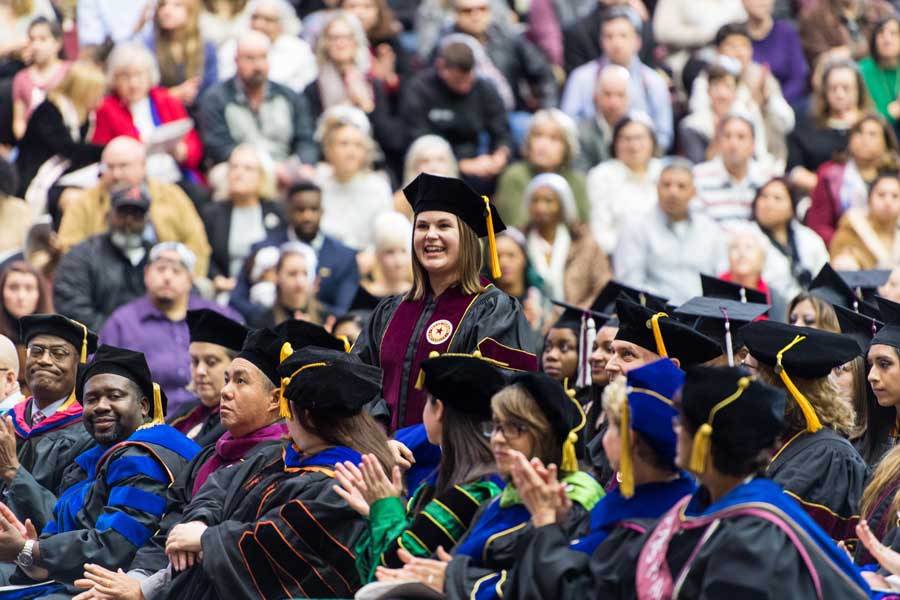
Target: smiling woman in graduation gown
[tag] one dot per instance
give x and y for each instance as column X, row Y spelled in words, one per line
column 450, row 307
column 815, row 463
column 274, row 527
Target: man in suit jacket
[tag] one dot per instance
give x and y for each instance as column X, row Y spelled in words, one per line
column 338, row 274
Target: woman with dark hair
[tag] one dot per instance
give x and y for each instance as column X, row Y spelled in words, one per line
column 866, row 237
column 533, row 419
column 45, row 71
column 24, row 291
column 795, row 251
column 459, row 391
column 450, row 307
column 881, row 69
column 844, row 182
column 807, row 310
column 837, row 103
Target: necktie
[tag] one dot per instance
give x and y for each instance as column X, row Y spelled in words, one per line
column 37, row 417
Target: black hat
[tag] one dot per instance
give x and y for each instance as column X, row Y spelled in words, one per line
column 708, row 316
column 363, row 301
column 573, row 317
column 262, row 348
column 449, row 194
column 865, row 283
column 129, row 364
column 213, row 327
column 737, row 412
column 561, row 409
column 131, row 195
column 890, row 334
column 831, row 287
column 300, row 334
column 605, row 302
column 467, row 383
column 637, row 324
column 70, row 330
column 319, row 379
column 860, row 327
column 713, row 287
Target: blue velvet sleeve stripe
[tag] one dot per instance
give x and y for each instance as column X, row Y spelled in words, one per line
column 129, row 466
column 130, row 528
column 50, row 527
column 139, row 499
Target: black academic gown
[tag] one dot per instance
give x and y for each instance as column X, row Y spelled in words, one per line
column 44, row 453
column 401, row 334
column 114, row 499
column 275, row 531
column 188, row 418
column 826, row 475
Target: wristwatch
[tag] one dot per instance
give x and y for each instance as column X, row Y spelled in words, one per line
column 25, row 558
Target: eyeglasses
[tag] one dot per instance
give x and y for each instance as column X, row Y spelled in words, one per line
column 57, row 353
column 510, row 431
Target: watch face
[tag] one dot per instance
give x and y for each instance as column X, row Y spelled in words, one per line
column 26, row 558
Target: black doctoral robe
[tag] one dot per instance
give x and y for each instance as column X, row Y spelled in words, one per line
column 206, row 421
column 276, row 530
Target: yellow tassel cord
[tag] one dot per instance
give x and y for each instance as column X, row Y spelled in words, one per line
column 703, row 437
column 84, row 352
column 812, row 419
column 158, row 417
column 569, row 462
column 657, row 334
column 420, row 380
column 284, row 404
column 492, row 240
column 626, row 471
column 347, row 345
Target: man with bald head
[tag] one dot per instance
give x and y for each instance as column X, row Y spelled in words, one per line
column 10, row 394
column 251, row 108
column 172, row 216
column 611, row 100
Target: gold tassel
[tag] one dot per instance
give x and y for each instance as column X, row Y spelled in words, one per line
column 702, row 441
column 283, row 404
column 626, row 470
column 809, row 414
column 158, row 417
column 657, row 334
column 569, row 462
column 420, row 380
column 492, row 240
column 347, row 345
column 84, row 351
column 286, row 351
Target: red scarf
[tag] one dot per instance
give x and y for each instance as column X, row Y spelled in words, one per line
column 230, row 450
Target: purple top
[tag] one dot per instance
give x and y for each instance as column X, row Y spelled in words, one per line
column 782, row 51
column 139, row 326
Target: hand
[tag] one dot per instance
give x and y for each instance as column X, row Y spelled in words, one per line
column 105, row 584
column 349, row 477
column 182, row 561
column 888, row 558
column 803, row 178
column 476, row 167
column 403, row 456
column 179, row 152
column 539, row 491
column 384, row 67
column 187, row 90
column 224, row 284
column 9, row 460
column 377, row 484
column 429, row 571
column 12, row 539
column 185, row 537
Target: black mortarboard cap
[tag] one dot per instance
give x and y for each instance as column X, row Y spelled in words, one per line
column 466, row 383
column 890, row 333
column 70, row 330
column 301, row 334
column 572, row 315
column 830, row 287
column 130, row 365
column 449, row 194
column 262, row 348
column 319, row 379
column 860, row 327
column 562, row 411
column 212, row 327
column 865, row 283
column 690, row 347
column 813, row 357
column 605, row 302
column 743, row 427
column 713, row 287
column 705, row 314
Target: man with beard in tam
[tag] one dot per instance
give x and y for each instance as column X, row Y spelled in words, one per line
column 115, row 494
column 43, row 434
column 106, row 270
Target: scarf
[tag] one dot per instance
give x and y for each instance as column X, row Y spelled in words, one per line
column 552, row 271
column 230, row 450
column 886, row 258
column 333, row 87
column 854, row 192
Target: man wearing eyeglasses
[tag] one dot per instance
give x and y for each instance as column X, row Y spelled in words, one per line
column 43, row 434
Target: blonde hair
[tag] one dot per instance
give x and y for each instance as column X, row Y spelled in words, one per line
column 193, row 52
column 565, row 125
column 423, row 144
column 615, row 394
column 83, row 80
column 885, row 476
column 22, row 8
column 363, row 58
column 468, row 268
column 822, row 395
column 515, row 403
column 331, row 127
column 266, row 188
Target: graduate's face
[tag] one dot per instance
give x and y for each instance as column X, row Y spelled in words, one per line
column 884, row 374
column 50, row 367
column 560, row 357
column 509, row 434
column 113, row 407
column 436, row 241
column 804, row 315
column 627, row 356
column 247, row 398
column 433, row 420
column 612, row 443
column 601, row 355
column 208, row 365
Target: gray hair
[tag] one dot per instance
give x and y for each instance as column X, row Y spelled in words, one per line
column 127, row 54
column 425, row 144
column 308, row 254
column 185, row 256
column 290, row 24
column 564, row 122
column 390, row 230
column 560, row 187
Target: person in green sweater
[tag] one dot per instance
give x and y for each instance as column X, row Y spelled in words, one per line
column 881, row 70
column 551, row 146
column 440, row 510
